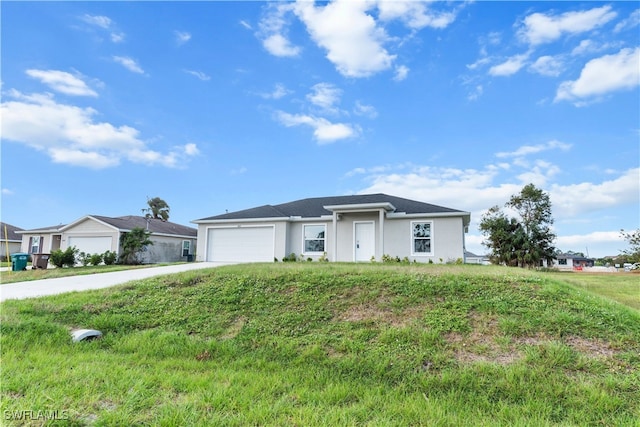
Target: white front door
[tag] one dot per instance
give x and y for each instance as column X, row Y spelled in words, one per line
column 364, row 240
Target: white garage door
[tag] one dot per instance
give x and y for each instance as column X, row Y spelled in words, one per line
column 246, row 244
column 91, row 245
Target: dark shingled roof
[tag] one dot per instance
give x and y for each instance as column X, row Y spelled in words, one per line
column 11, row 232
column 155, row 225
column 314, row 207
column 126, row 223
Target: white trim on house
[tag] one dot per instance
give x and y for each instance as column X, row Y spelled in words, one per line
column 361, row 207
column 431, row 239
column 235, row 221
column 304, row 239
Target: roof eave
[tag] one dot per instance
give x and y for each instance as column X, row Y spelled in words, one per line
column 361, row 207
column 398, row 215
column 234, row 220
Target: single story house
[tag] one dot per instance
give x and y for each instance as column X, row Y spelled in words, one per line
column 343, row 228
column 93, row 234
column 471, row 258
column 572, row 262
column 10, row 239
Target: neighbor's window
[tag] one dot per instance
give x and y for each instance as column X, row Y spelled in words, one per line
column 186, row 247
column 562, row 261
column 35, row 245
column 314, row 238
column 421, row 237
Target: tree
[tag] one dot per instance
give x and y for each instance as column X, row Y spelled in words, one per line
column 524, row 241
column 503, row 235
column 158, row 209
column 633, row 239
column 133, row 244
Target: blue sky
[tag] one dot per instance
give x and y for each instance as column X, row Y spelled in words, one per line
column 217, row 106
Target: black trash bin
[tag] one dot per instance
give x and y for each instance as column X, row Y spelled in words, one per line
column 189, row 258
column 19, row 261
column 40, row 261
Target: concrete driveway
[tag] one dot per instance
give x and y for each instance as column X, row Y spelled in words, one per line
column 37, row 288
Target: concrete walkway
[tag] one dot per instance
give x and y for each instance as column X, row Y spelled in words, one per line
column 37, row 288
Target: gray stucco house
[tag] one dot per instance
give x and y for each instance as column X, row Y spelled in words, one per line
column 10, row 240
column 344, row 228
column 94, row 234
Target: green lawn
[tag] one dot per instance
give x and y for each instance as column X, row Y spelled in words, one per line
column 621, row 287
column 326, row 344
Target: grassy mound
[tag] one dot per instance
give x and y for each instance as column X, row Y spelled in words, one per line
column 325, row 344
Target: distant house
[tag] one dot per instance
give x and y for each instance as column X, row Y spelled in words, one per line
column 356, row 228
column 94, row 234
column 572, row 261
column 471, row 258
column 10, row 239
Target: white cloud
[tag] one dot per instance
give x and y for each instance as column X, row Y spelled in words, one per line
column 117, row 37
column 246, row 25
column 539, row 28
column 526, row 150
column 510, row 66
column 369, row 111
column 129, row 63
column 401, row 73
column 351, row 37
column 325, row 96
column 573, row 199
column 97, row 20
column 105, row 23
column 581, row 242
column 7, row 192
column 475, row 93
column 182, row 37
column 351, row 32
column 278, row 45
column 548, row 66
column 90, row 159
column 199, row 74
column 416, row 15
column 324, row 131
column 62, row 82
column 191, row 149
column 239, row 171
column 69, row 134
column 279, row 91
column 479, row 189
column 602, row 75
column 629, row 23
column 273, row 31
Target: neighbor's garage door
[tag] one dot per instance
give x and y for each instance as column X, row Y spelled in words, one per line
column 91, row 245
column 246, row 244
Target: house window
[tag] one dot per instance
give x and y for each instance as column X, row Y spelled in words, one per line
column 421, row 238
column 35, row 245
column 314, row 238
column 562, row 261
column 186, row 247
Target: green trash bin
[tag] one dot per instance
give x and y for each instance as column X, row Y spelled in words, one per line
column 19, row 261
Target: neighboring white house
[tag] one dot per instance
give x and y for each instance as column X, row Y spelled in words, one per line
column 94, row 234
column 572, row 262
column 471, row 258
column 343, row 228
column 10, row 239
